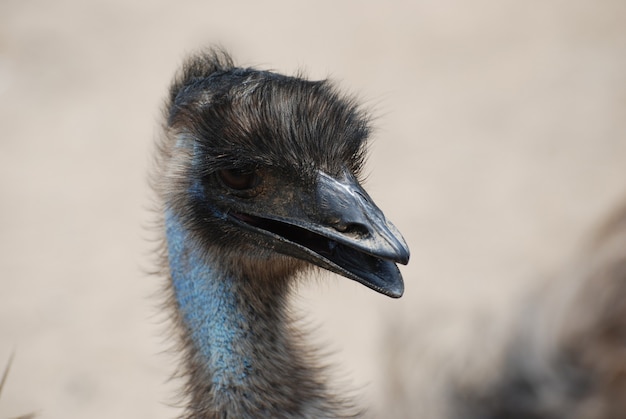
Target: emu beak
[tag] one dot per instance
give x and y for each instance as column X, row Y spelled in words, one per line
column 336, row 226
column 362, row 244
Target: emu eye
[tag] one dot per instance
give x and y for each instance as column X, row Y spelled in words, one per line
column 239, row 179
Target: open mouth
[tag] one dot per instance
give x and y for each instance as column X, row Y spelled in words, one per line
column 375, row 272
column 319, row 244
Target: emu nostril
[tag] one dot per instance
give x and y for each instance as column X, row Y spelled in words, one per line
column 352, row 229
column 347, row 228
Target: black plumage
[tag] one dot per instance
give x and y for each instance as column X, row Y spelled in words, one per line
column 258, row 180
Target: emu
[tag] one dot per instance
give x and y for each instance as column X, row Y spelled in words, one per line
column 258, row 180
column 567, row 354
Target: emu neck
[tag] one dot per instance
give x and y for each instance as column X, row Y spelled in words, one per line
column 207, row 303
column 242, row 359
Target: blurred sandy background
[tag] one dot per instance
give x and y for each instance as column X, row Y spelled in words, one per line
column 501, row 143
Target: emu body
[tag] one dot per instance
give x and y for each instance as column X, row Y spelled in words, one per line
column 258, row 181
column 567, row 354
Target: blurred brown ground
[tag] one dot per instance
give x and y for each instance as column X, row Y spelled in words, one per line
column 501, row 143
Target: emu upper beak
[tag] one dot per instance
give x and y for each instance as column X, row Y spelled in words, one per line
column 346, row 207
column 338, row 228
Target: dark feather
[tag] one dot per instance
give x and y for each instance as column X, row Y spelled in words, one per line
column 286, row 130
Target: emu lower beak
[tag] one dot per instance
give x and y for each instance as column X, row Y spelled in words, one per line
column 338, row 228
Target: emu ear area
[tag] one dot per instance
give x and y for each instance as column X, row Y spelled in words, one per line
column 335, row 225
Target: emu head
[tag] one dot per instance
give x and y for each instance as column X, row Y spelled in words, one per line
column 262, row 169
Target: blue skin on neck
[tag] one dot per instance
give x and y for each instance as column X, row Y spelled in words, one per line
column 207, row 301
